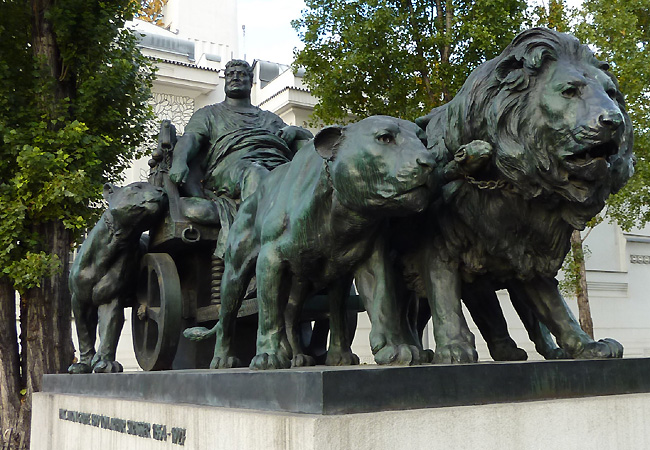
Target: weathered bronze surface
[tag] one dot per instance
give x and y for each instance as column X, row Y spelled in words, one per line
column 102, row 277
column 562, row 143
column 227, row 149
column 309, row 225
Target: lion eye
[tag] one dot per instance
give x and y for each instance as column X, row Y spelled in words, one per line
column 571, row 91
column 386, row 138
column 611, row 93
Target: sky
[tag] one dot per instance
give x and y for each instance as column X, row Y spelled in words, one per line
column 269, row 35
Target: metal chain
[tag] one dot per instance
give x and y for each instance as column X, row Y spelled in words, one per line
column 488, row 184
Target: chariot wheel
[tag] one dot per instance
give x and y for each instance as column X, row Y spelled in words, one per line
column 156, row 317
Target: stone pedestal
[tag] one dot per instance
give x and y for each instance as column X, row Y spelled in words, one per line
column 533, row 405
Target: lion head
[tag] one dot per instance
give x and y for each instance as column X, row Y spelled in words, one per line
column 555, row 117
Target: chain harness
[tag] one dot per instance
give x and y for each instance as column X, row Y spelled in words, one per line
column 488, row 184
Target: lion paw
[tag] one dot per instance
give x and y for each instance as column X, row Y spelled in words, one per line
column 459, row 353
column 108, row 367
column 264, row 361
column 224, row 362
column 401, row 355
column 341, row 358
column 302, row 360
column 507, row 350
column 79, row 368
column 604, row 348
column 552, row 353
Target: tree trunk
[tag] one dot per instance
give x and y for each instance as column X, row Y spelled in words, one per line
column 584, row 311
column 46, row 335
column 47, row 52
column 10, row 380
column 444, row 18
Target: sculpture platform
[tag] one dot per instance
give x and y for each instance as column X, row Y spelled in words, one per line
column 549, row 404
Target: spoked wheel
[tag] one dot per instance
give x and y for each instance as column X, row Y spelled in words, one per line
column 156, row 320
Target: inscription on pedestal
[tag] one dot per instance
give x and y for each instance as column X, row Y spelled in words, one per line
column 135, row 428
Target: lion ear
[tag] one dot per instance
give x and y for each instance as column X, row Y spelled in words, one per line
column 511, row 74
column 327, row 140
column 109, row 189
column 507, row 67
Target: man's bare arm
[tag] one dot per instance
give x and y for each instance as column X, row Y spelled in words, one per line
column 185, row 150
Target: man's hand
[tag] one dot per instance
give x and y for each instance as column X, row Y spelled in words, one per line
column 473, row 157
column 185, row 150
column 290, row 133
column 179, row 172
column 468, row 160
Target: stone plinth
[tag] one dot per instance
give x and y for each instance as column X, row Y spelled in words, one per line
column 562, row 404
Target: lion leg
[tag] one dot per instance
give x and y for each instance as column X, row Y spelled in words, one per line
column 85, row 319
column 239, row 261
column 298, row 293
column 238, row 272
column 454, row 341
column 546, row 301
column 483, row 305
column 111, row 321
column 339, row 352
column 273, row 286
column 537, row 331
column 391, row 339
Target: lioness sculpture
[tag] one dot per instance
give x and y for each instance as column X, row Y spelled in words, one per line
column 308, row 226
column 562, row 143
column 102, row 277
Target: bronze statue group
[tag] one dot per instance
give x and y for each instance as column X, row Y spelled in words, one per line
column 481, row 194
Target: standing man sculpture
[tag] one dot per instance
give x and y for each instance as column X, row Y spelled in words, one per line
column 228, row 148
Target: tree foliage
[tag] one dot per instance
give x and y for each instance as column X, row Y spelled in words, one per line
column 57, row 152
column 397, row 57
column 73, row 108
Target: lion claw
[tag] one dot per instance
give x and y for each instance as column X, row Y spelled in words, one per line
column 604, row 348
column 302, row 360
column 507, row 350
column 108, row 367
column 459, row 353
column 341, row 358
column 224, row 362
column 79, row 368
column 401, row 355
column 265, row 361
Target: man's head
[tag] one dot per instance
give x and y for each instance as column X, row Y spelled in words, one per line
column 239, row 79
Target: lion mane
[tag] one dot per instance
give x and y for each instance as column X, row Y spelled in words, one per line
column 552, row 168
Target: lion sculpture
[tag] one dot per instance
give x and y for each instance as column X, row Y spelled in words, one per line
column 562, row 144
column 103, row 275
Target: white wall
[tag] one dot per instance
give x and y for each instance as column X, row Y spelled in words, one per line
column 213, row 21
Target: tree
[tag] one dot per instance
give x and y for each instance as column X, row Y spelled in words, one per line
column 397, row 57
column 150, row 10
column 73, row 108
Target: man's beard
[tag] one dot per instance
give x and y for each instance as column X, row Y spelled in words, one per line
column 239, row 92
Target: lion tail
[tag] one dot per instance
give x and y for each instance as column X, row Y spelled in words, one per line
column 199, row 333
